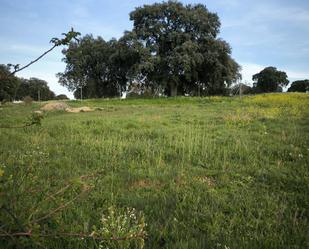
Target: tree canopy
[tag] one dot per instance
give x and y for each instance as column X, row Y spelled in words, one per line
column 101, row 68
column 15, row 88
column 186, row 54
column 36, row 88
column 172, row 49
column 270, row 80
column 299, row 86
column 8, row 84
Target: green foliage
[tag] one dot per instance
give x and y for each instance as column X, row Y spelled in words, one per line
column 211, row 172
column 35, row 119
column 35, row 88
column 173, row 49
column 8, row 85
column 68, row 37
column 186, row 55
column 14, row 88
column 27, row 100
column 270, row 80
column 299, row 86
column 61, row 97
column 100, row 68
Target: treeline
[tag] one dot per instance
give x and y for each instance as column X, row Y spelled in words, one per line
column 270, row 80
column 173, row 49
column 15, row 88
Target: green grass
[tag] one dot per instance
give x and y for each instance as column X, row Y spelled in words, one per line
column 203, row 172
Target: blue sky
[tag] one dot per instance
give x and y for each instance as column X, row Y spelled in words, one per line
column 261, row 33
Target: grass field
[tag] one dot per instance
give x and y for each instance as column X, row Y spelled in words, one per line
column 214, row 172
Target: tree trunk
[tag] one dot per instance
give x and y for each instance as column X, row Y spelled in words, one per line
column 173, row 90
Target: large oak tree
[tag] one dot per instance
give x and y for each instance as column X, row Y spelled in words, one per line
column 187, row 55
column 172, row 49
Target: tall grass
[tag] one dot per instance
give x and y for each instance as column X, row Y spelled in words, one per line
column 199, row 173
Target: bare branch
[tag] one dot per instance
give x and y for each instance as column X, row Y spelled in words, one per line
column 17, row 69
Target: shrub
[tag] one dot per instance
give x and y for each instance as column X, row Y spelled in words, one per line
column 61, row 97
column 28, row 100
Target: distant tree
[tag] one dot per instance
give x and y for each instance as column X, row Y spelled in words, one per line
column 172, row 49
column 102, row 68
column 279, row 89
column 8, row 84
column 240, row 89
column 186, row 55
column 299, row 86
column 87, row 67
column 61, row 97
column 128, row 60
column 27, row 100
column 270, row 80
column 36, row 89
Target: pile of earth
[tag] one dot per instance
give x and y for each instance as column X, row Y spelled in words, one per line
column 79, row 109
column 60, row 106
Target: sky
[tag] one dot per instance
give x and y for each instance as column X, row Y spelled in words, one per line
column 261, row 33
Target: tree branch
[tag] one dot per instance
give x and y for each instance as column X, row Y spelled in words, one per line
column 30, row 63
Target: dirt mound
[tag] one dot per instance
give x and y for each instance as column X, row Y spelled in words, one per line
column 60, row 106
column 79, row 109
column 55, row 106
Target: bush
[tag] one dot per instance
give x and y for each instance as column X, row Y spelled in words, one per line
column 28, row 100
column 299, row 86
column 61, row 97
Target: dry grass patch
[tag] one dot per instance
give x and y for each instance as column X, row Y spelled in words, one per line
column 205, row 179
